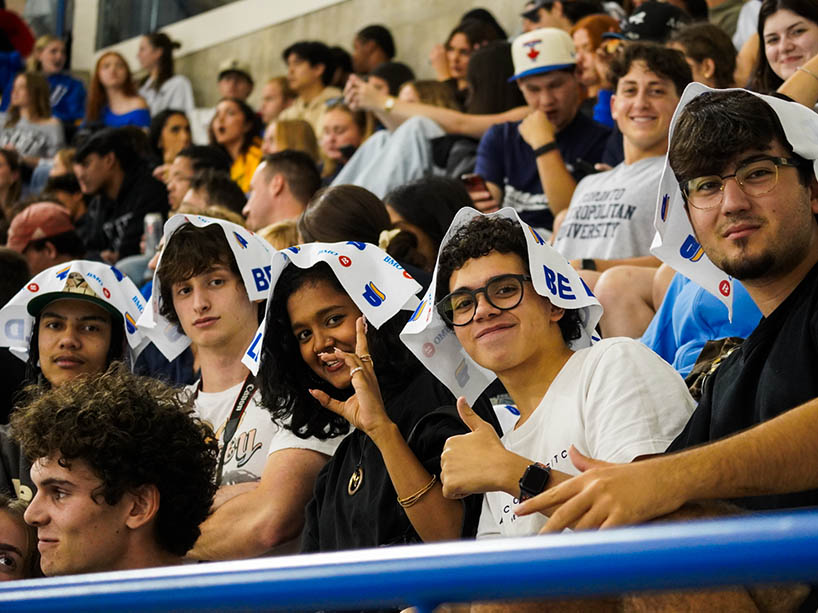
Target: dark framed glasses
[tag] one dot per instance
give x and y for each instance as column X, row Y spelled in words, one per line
column 503, row 292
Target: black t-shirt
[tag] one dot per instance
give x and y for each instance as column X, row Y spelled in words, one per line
column 118, row 224
column 773, row 371
column 335, row 520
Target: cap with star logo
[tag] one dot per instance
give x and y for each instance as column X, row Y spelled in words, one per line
column 541, row 51
column 652, row 21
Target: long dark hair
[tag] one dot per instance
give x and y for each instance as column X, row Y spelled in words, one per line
column 285, row 377
column 764, row 80
column 161, row 41
column 251, row 118
column 487, row 74
column 158, row 122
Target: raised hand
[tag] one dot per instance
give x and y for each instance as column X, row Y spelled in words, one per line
column 536, row 130
column 477, row 462
column 364, row 409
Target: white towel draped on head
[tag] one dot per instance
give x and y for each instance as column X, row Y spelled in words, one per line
column 436, row 345
column 99, row 281
column 675, row 242
column 252, row 255
column 375, row 282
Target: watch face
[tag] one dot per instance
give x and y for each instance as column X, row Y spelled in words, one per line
column 534, row 480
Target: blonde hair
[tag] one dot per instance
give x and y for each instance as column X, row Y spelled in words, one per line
column 435, row 93
column 298, row 135
column 364, row 120
column 282, row 234
column 33, row 63
column 286, row 91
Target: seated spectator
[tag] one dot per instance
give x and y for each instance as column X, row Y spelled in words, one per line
column 235, row 129
column 426, row 208
column 276, row 95
column 44, row 234
column 451, row 61
column 317, row 349
column 557, row 14
column 283, row 185
column 372, row 46
column 293, row 134
column 18, row 542
column 350, row 213
column 545, row 328
column 12, row 370
column 112, row 97
column 124, row 474
column 235, row 79
column 533, row 166
column 757, row 411
column 431, row 93
column 587, row 36
column 309, row 72
column 169, row 134
column 265, row 473
column 342, row 132
column 28, row 127
column 609, row 221
column 63, row 161
column 161, row 88
column 188, row 162
column 214, row 188
column 65, row 189
column 390, row 76
column 122, row 192
column 653, row 21
column 777, row 44
column 67, row 94
column 11, row 187
column 60, row 327
column 709, row 53
column 342, row 61
column 427, row 139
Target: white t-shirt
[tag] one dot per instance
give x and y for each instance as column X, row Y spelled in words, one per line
column 611, row 213
column 613, row 401
column 176, row 93
column 256, row 437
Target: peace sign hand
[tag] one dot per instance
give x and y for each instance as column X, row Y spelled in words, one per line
column 364, row 409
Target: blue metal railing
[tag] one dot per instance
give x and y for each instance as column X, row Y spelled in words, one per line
column 772, row 548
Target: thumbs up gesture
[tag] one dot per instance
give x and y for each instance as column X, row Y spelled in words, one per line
column 477, row 462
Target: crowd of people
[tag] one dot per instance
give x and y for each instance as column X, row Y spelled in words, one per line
column 567, row 283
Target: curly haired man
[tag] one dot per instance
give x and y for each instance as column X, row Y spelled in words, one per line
column 124, row 474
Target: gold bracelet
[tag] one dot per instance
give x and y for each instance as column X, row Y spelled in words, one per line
column 809, row 72
column 410, row 500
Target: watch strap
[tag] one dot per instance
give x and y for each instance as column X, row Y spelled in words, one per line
column 534, row 480
column 545, row 149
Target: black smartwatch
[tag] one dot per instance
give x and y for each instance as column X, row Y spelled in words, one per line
column 534, row 480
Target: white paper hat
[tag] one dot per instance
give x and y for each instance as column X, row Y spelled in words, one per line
column 252, row 255
column 375, row 282
column 437, row 347
column 675, row 242
column 82, row 280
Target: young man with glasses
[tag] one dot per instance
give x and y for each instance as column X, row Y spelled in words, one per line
column 745, row 167
column 616, row 396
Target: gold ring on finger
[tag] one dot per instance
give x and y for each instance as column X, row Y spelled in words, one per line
column 365, row 358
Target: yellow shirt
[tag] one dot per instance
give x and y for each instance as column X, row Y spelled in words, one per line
column 245, row 165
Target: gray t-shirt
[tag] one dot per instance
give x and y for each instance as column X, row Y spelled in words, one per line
column 40, row 140
column 611, row 213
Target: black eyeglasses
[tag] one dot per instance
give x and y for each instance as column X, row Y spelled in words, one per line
column 503, row 292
